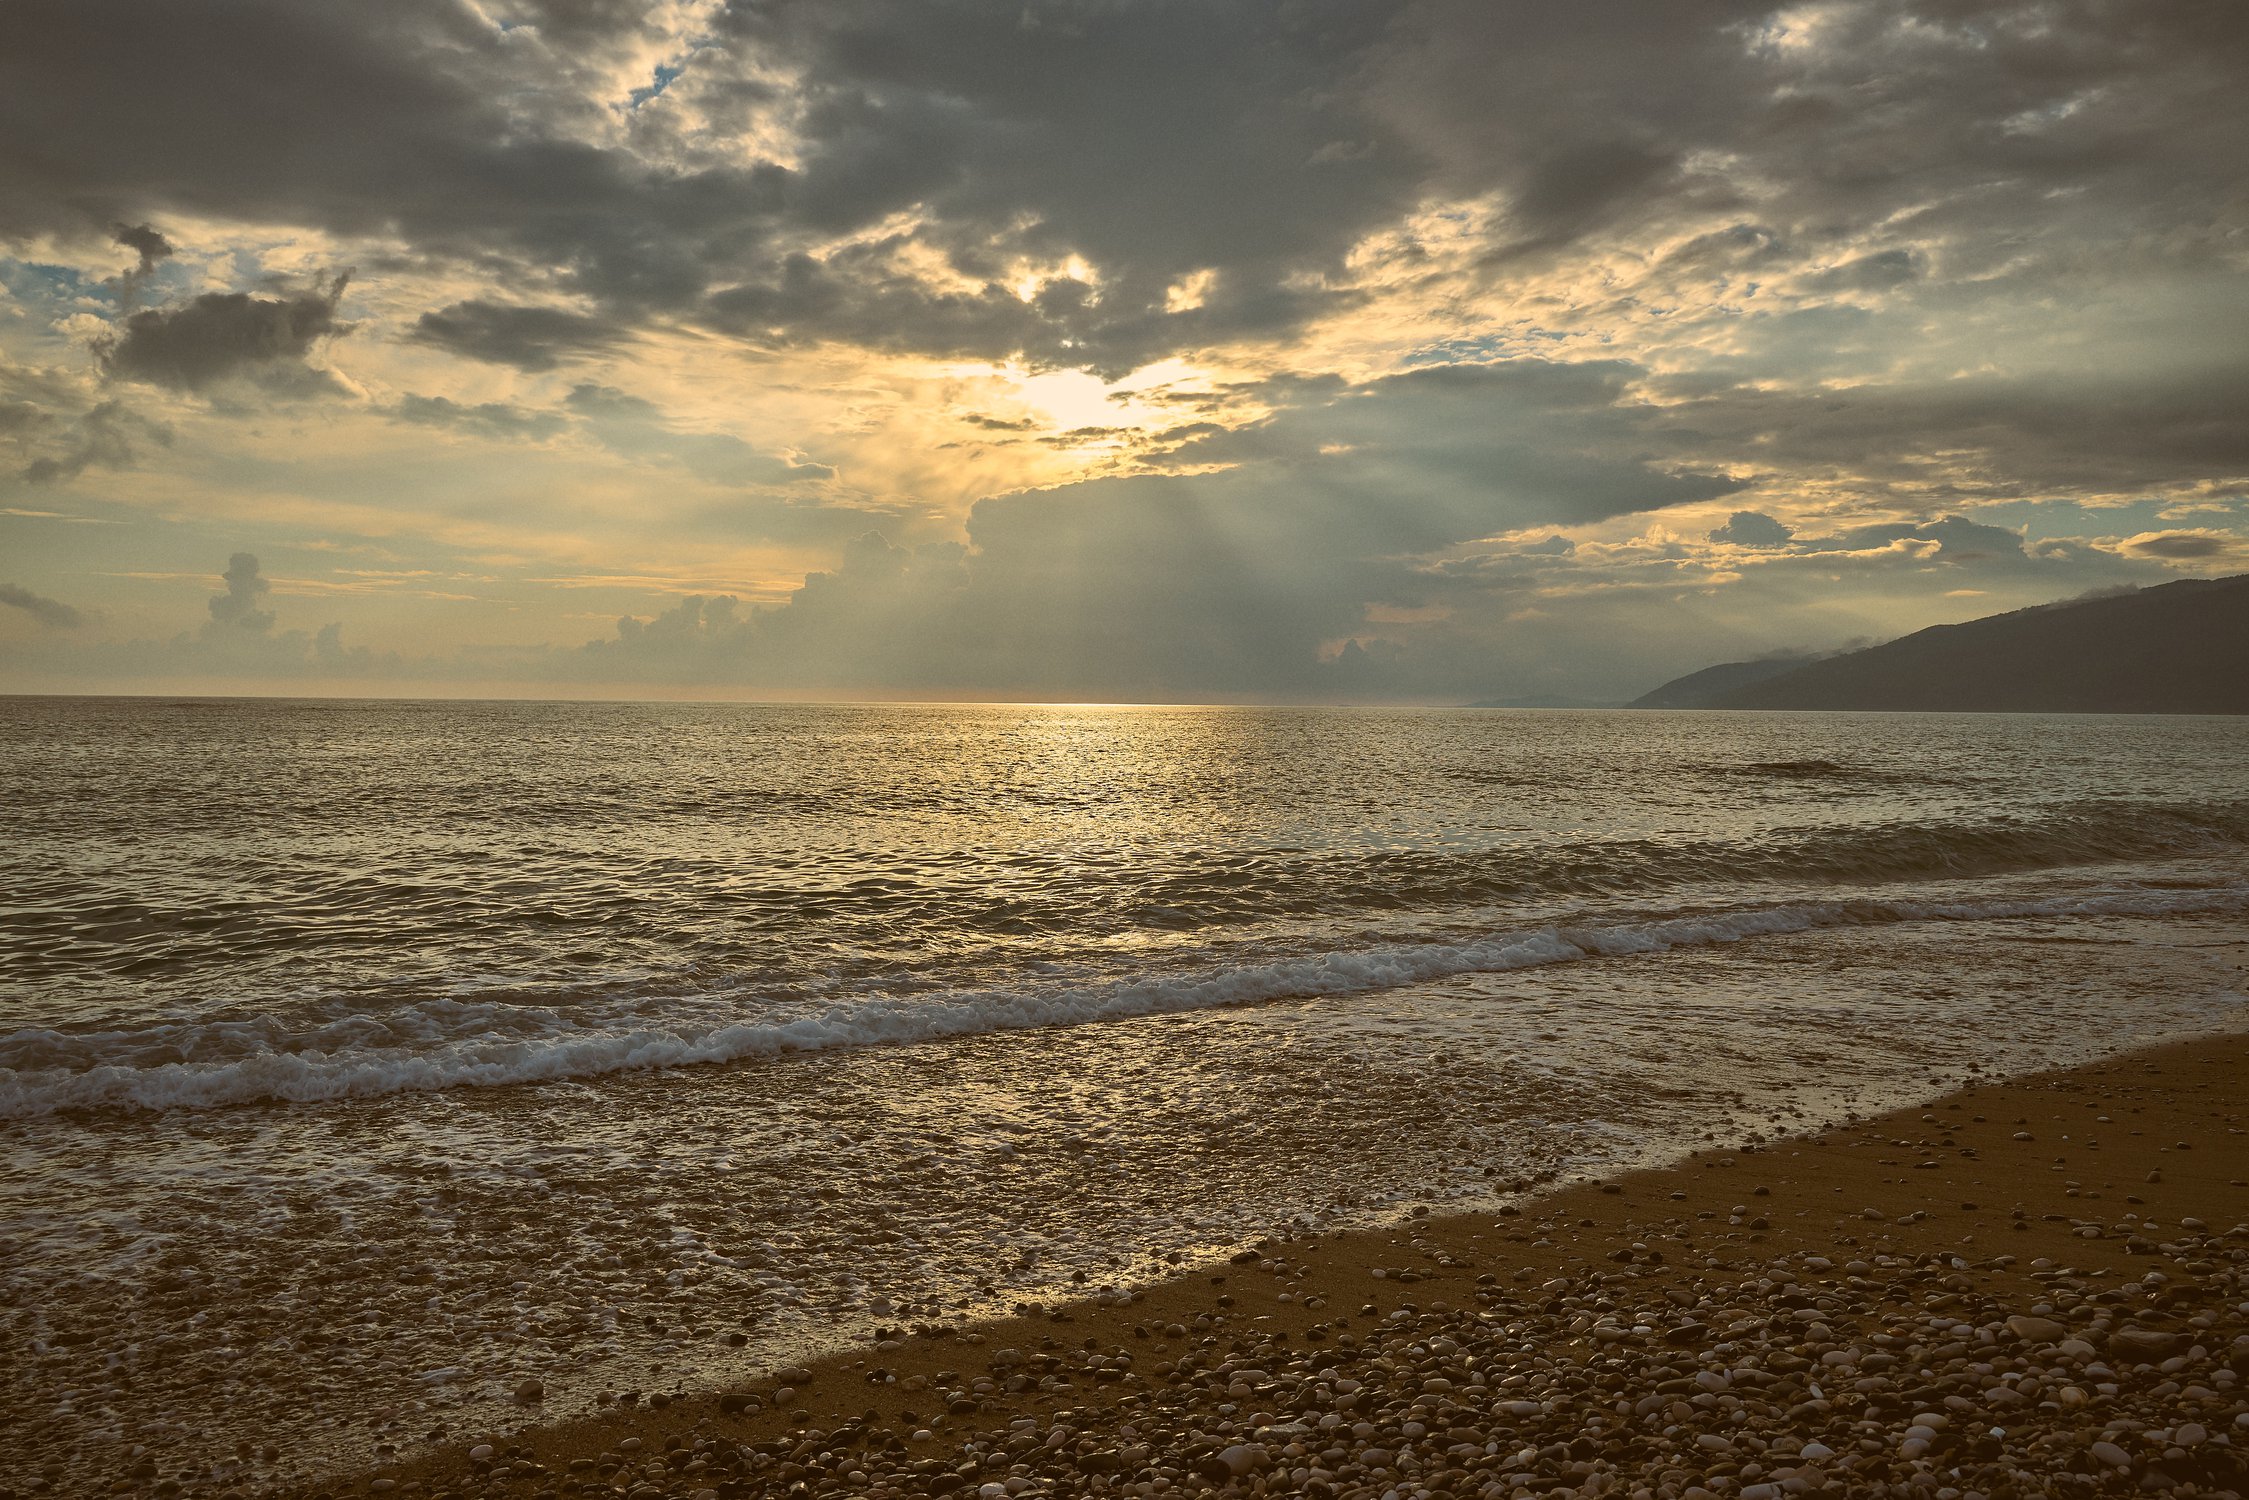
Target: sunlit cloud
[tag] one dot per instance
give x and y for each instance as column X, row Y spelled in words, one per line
column 1120, row 350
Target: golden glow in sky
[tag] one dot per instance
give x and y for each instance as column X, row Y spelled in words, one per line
column 1409, row 350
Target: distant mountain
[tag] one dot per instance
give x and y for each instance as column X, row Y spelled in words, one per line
column 2180, row 648
column 1703, row 689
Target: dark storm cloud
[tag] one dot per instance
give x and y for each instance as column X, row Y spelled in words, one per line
column 2001, row 435
column 221, row 336
column 529, row 338
column 346, row 117
column 49, row 612
column 1154, row 139
column 1085, row 117
column 1966, row 113
column 414, row 120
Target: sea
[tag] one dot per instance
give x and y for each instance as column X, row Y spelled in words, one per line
column 362, row 1060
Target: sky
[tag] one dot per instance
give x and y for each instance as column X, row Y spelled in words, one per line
column 1099, row 350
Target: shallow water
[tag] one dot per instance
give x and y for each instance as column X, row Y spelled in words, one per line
column 334, row 1038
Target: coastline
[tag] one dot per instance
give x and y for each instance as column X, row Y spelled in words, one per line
column 2043, row 1191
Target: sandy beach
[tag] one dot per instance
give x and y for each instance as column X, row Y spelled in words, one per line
column 2035, row 1286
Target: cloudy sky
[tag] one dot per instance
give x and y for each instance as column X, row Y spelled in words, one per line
column 1324, row 350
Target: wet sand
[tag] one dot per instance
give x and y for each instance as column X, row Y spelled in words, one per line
column 2033, row 1286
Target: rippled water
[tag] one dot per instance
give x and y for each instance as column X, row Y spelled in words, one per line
column 371, row 1019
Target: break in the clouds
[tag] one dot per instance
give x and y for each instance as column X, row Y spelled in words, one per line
column 1147, row 348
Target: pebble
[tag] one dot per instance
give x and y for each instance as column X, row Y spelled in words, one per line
column 2110, row 1454
column 1892, row 1375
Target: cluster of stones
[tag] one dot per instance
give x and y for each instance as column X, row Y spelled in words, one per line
column 1891, row 1375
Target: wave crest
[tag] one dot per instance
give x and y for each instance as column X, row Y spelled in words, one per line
column 450, row 1045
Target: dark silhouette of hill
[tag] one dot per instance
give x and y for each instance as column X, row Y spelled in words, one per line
column 1704, row 688
column 2179, row 648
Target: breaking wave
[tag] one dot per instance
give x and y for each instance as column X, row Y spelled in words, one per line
column 451, row 1044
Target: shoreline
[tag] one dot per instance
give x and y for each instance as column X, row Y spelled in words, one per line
column 2015, row 1192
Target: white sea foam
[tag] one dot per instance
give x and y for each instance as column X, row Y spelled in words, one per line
column 363, row 1060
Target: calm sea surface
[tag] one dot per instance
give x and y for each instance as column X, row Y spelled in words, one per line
column 359, row 1059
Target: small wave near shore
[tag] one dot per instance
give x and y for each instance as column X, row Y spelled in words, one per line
column 468, row 1046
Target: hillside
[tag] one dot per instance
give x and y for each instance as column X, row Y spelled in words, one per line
column 1704, row 688
column 2177, row 648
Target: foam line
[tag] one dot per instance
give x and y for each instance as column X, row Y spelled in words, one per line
column 283, row 1068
